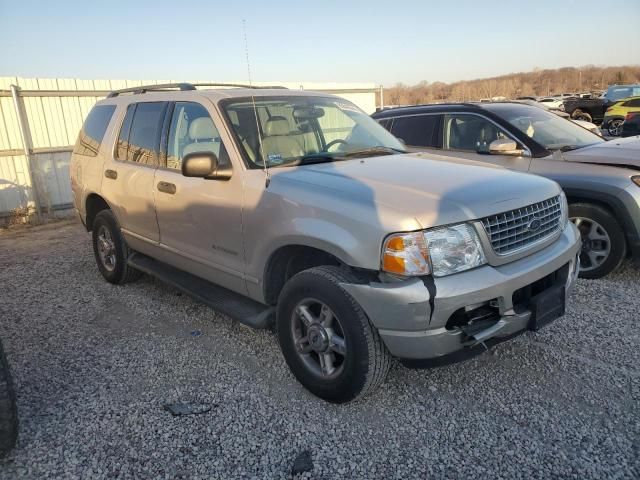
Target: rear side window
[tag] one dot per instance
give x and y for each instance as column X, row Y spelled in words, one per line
column 93, row 130
column 632, row 103
column 139, row 139
column 416, row 131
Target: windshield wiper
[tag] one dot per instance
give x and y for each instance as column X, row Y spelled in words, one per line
column 377, row 150
column 568, row 148
column 321, row 157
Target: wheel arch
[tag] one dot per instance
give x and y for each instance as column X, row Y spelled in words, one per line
column 288, row 260
column 607, row 202
column 94, row 204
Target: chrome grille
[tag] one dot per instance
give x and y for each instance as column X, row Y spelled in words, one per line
column 512, row 231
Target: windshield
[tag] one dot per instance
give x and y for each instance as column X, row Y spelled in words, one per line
column 548, row 129
column 286, row 131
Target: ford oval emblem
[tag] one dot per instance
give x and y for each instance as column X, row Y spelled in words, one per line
column 534, row 225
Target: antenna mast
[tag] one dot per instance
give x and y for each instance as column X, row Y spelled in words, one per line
column 255, row 110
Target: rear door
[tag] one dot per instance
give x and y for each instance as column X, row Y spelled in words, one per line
column 200, row 220
column 129, row 173
column 418, row 132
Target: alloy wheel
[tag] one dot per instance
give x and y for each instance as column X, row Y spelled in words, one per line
column 615, row 127
column 318, row 338
column 106, row 249
column 596, row 244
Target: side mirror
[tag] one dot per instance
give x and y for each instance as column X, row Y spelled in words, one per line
column 204, row 165
column 504, row 146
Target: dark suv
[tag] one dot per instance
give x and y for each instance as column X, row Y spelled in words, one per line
column 601, row 179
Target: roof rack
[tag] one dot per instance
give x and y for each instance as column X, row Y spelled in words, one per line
column 182, row 87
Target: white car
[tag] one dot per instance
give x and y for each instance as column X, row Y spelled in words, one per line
column 552, row 103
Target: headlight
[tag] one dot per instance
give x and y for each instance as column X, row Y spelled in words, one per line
column 454, row 249
column 441, row 251
column 564, row 210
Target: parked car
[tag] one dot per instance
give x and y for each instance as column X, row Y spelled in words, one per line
column 601, row 179
column 296, row 207
column 616, row 113
column 618, row 92
column 8, row 409
column 551, row 103
column 586, row 109
column 631, row 125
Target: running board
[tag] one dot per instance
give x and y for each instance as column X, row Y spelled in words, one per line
column 236, row 306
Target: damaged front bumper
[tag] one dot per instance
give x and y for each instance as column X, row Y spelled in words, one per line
column 422, row 318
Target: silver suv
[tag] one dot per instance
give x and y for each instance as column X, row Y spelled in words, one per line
column 297, row 208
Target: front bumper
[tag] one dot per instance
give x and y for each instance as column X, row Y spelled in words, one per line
column 411, row 315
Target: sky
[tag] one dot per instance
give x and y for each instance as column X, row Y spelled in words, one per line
column 323, row 41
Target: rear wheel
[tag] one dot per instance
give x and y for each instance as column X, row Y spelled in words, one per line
column 326, row 337
column 8, row 409
column 111, row 250
column 603, row 243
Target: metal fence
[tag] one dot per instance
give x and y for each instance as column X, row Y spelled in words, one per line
column 40, row 119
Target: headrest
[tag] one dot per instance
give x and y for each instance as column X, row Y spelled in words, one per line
column 202, row 128
column 277, row 126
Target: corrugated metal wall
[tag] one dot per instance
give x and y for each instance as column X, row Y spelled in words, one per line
column 54, row 119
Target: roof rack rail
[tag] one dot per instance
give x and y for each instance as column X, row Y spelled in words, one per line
column 147, row 88
column 182, row 87
column 238, row 85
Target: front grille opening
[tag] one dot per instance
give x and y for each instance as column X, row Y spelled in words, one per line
column 522, row 297
column 470, row 315
column 514, row 230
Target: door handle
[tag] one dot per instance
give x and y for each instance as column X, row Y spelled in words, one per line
column 166, row 187
column 112, row 174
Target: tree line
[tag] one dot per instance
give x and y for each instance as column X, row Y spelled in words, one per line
column 539, row 82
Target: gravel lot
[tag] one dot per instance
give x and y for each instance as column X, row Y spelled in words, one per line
column 94, row 363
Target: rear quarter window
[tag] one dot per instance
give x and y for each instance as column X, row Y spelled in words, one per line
column 93, row 130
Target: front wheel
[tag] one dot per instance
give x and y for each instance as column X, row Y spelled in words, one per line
column 603, row 244
column 326, row 337
column 615, row 127
column 8, row 409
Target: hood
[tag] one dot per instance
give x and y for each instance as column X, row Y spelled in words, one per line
column 417, row 186
column 623, row 152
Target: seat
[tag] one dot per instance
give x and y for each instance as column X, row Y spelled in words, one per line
column 204, row 137
column 278, row 142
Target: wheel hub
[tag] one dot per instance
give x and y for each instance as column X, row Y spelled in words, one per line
column 318, row 338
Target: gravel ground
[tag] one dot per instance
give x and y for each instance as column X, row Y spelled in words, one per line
column 94, row 363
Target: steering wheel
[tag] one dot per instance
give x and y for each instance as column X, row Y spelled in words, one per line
column 335, row 142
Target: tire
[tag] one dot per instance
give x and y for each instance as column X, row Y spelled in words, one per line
column 365, row 362
column 8, row 408
column 115, row 269
column 580, row 115
column 595, row 223
column 614, row 127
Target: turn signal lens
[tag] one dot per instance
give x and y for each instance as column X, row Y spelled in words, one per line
column 406, row 254
column 636, row 180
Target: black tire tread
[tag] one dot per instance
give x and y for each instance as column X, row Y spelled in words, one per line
column 379, row 357
column 8, row 408
column 128, row 273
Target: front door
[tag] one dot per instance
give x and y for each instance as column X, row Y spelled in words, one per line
column 200, row 220
column 468, row 136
